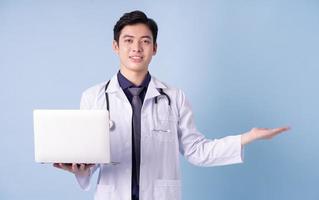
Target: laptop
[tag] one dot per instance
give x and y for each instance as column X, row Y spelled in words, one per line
column 71, row 136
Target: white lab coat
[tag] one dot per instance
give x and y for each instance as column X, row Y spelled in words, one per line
column 166, row 131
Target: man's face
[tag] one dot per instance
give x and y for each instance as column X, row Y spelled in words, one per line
column 135, row 48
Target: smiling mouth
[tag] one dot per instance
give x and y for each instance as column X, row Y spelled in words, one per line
column 136, row 58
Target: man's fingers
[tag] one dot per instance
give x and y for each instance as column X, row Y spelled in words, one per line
column 283, row 129
column 279, row 130
column 65, row 166
column 62, row 166
column 87, row 166
column 275, row 131
column 75, row 167
column 56, row 165
column 267, row 133
column 82, row 167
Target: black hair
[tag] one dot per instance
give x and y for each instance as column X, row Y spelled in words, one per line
column 134, row 17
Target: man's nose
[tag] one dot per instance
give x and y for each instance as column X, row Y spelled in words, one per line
column 137, row 47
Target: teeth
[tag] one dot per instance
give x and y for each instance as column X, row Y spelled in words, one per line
column 136, row 57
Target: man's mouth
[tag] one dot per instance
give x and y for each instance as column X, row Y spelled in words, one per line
column 136, row 58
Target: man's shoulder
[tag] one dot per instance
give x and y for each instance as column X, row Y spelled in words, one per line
column 95, row 89
column 165, row 86
column 170, row 90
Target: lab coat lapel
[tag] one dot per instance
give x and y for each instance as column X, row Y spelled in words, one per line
column 152, row 90
column 115, row 88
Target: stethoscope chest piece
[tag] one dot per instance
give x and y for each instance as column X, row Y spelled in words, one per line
column 111, row 124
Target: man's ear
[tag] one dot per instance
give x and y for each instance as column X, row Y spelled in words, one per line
column 154, row 49
column 115, row 46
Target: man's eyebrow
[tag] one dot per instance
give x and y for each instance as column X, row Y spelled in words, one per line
column 131, row 36
column 147, row 36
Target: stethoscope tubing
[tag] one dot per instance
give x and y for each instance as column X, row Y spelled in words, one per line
column 111, row 123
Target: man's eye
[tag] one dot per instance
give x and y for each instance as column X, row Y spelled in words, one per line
column 146, row 41
column 128, row 41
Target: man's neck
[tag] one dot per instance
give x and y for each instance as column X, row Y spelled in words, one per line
column 135, row 77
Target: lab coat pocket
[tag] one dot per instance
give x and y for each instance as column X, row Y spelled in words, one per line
column 164, row 130
column 167, row 189
column 104, row 192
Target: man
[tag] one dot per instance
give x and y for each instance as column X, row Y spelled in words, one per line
column 153, row 123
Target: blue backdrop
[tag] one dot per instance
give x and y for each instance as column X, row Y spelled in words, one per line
column 242, row 64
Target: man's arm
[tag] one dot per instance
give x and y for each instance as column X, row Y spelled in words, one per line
column 203, row 151
column 82, row 171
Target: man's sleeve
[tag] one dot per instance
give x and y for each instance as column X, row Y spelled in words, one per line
column 199, row 150
column 85, row 102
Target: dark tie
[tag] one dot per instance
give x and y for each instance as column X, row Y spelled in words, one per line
column 136, row 139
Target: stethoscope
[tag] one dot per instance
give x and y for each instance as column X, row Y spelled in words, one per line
column 111, row 122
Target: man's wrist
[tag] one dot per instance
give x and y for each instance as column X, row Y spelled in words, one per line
column 247, row 138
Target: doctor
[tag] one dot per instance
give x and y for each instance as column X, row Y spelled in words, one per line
column 152, row 123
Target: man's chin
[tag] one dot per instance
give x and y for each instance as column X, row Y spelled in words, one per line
column 137, row 69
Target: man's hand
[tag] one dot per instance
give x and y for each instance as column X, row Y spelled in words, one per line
column 261, row 133
column 77, row 169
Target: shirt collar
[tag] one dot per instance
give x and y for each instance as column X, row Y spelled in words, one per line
column 125, row 83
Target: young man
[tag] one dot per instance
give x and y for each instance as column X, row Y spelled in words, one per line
column 153, row 123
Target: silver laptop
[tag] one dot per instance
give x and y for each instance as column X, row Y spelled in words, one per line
column 71, row 136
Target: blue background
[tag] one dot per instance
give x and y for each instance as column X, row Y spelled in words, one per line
column 242, row 64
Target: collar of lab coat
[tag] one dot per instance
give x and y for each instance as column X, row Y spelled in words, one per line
column 152, row 90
